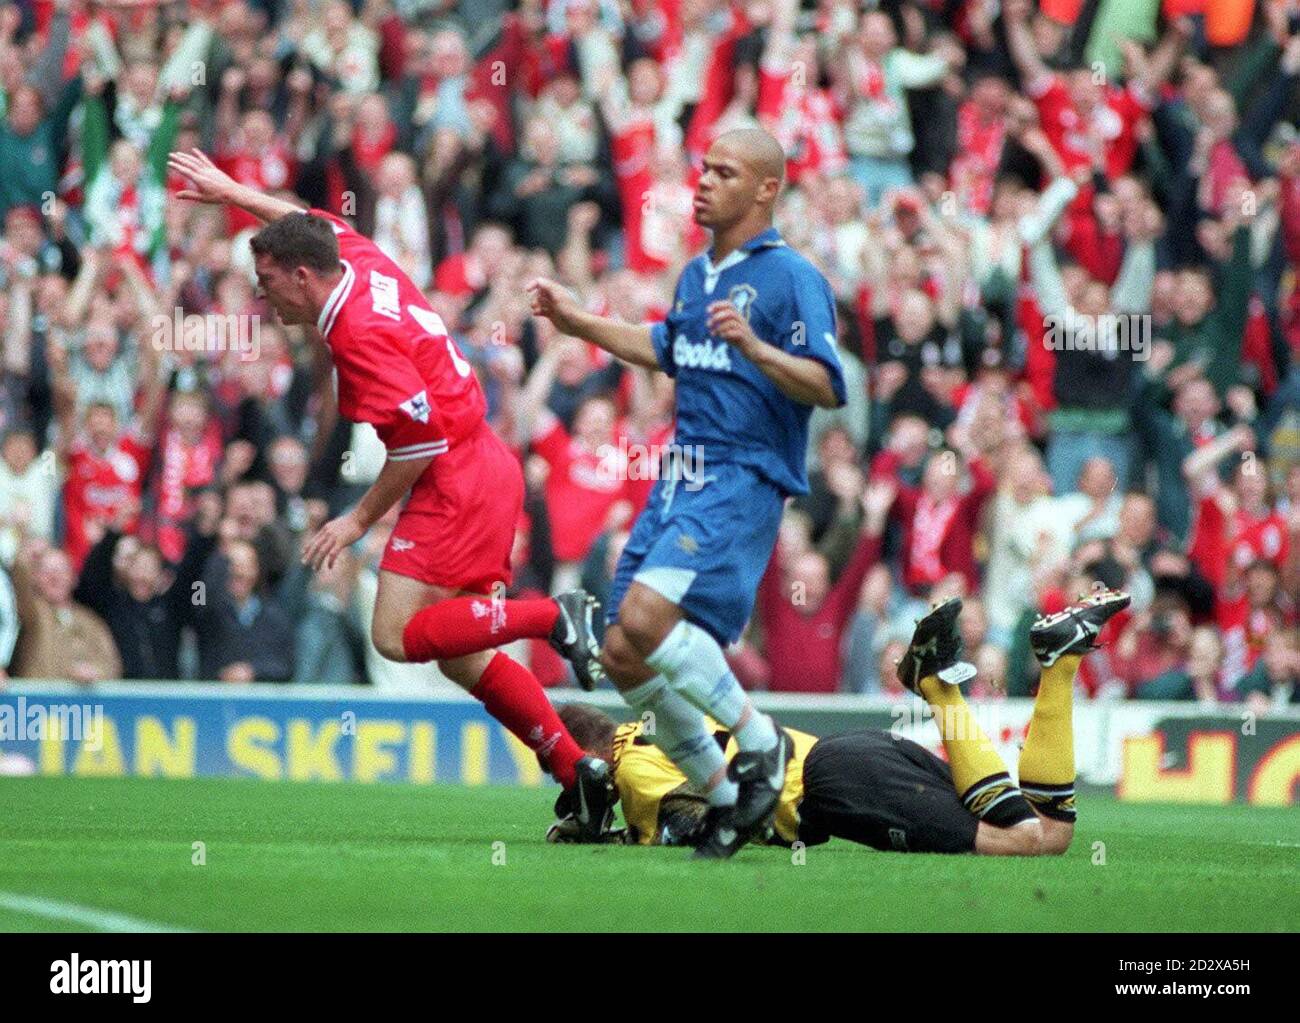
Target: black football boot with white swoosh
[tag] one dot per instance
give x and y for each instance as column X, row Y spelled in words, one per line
column 574, row 636
column 936, row 649
column 1075, row 630
column 760, row 776
column 587, row 806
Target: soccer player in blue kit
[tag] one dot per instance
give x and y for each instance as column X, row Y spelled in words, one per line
column 750, row 342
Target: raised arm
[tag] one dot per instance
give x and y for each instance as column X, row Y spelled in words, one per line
column 627, row 341
column 1150, row 71
column 1020, row 41
column 209, row 184
column 1207, row 457
column 532, row 397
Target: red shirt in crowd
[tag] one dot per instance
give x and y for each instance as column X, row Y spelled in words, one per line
column 938, row 535
column 100, row 488
column 1244, row 630
column 804, row 650
column 806, row 121
column 979, row 153
column 1240, row 539
column 582, row 487
column 1113, row 121
column 271, row 170
column 182, row 469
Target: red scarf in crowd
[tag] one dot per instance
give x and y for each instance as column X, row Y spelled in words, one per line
column 929, row 529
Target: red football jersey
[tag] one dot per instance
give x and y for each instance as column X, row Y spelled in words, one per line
column 582, row 487
column 99, row 487
column 1113, row 123
column 398, row 369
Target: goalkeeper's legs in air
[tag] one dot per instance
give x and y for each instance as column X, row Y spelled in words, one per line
column 1046, row 770
column 932, row 668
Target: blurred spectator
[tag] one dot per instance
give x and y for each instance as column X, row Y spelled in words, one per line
column 1274, row 682
column 28, row 492
column 145, row 606
column 802, row 612
column 59, row 638
column 1196, row 679
column 242, row 630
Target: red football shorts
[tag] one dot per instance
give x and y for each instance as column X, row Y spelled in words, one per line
column 458, row 526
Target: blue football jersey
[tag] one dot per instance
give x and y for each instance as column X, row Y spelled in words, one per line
column 726, row 408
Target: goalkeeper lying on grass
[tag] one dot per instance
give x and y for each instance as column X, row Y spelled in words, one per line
column 882, row 791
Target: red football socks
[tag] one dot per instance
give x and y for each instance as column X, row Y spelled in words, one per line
column 512, row 695
column 466, row 625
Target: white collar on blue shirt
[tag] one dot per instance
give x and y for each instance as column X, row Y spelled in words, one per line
column 765, row 239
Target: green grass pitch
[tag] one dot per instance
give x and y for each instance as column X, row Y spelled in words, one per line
column 390, row 857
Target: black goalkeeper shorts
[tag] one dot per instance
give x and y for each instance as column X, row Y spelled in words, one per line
column 888, row 793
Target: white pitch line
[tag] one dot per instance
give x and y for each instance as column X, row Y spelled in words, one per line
column 87, row 916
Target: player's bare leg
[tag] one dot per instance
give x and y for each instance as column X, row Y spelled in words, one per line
column 1060, row 642
column 509, row 691
column 932, row 668
column 671, row 668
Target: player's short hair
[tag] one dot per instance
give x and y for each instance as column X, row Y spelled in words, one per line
column 591, row 727
column 299, row 239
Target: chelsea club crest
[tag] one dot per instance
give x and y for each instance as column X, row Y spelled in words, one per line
column 742, row 296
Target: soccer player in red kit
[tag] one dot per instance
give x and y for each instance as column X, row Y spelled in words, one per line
column 443, row 576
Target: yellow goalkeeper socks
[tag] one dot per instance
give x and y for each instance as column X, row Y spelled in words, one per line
column 1047, row 760
column 978, row 773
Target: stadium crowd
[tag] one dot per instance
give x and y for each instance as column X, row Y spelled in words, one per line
column 1062, row 242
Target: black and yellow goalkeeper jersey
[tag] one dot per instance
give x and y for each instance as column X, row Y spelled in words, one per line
column 658, row 801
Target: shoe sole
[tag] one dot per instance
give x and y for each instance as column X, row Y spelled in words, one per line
column 1071, row 613
column 588, row 678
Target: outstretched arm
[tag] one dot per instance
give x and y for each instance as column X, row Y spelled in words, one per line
column 627, row 341
column 209, row 184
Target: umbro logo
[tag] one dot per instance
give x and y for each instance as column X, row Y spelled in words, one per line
column 402, row 545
